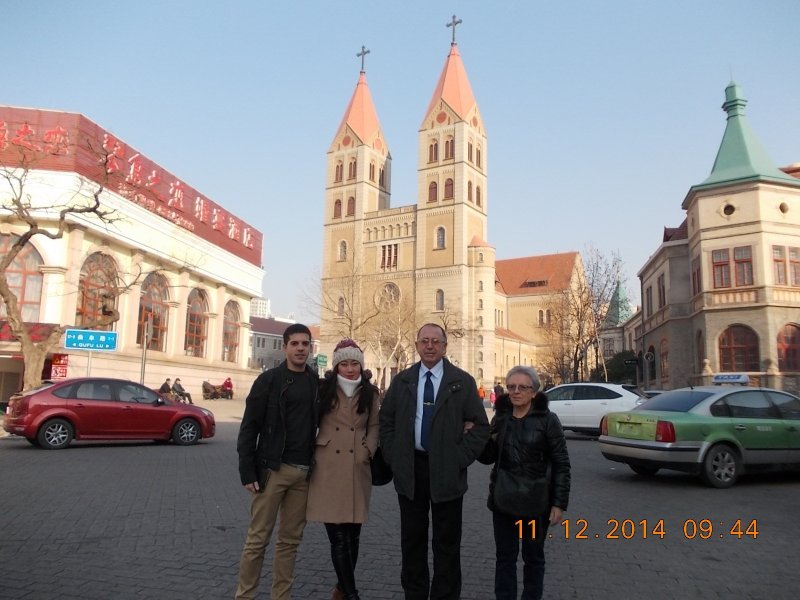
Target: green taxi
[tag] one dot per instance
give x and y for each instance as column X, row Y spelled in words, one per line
column 717, row 432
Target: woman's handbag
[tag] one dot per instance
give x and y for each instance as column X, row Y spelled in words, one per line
column 381, row 472
column 520, row 496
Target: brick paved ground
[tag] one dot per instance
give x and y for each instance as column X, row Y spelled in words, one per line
column 140, row 521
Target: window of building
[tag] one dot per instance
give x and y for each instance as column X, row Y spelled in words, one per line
column 230, row 331
column 351, row 169
column 541, row 318
column 433, row 151
column 389, row 256
column 24, row 279
column 351, row 206
column 448, row 188
column 722, row 268
column 480, row 340
column 608, row 348
column 97, row 290
column 153, row 310
column 789, row 348
column 342, row 250
column 743, row 258
column 478, row 196
column 337, row 209
column 432, row 192
column 547, row 315
column 662, row 291
column 340, row 306
column 480, row 356
column 663, row 355
column 469, row 151
column 438, row 303
column 478, row 157
column 196, row 323
column 648, row 300
column 480, row 286
column 779, row 264
column 480, row 321
column 697, row 282
column 469, row 191
column 738, row 349
column 480, row 374
column 480, row 304
column 372, row 171
column 338, row 172
column 440, row 238
column 381, row 178
column 794, row 266
column 449, row 148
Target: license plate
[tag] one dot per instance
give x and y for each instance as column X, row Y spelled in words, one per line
column 628, row 428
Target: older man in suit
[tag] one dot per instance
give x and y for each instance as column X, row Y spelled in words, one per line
column 433, row 426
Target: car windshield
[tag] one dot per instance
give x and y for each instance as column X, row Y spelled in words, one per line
column 675, row 401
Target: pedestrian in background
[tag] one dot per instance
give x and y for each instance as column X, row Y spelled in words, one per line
column 166, row 387
column 181, row 393
column 433, row 426
column 341, row 483
column 529, row 484
column 275, row 445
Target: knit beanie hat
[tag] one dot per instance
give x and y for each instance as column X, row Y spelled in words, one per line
column 347, row 349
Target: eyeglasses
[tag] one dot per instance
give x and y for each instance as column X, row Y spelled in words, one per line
column 426, row 341
column 521, row 388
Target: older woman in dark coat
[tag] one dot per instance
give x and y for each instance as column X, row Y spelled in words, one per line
column 530, row 482
column 341, row 481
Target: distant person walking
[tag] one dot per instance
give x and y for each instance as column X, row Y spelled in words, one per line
column 275, row 445
column 178, row 390
column 341, row 484
column 498, row 389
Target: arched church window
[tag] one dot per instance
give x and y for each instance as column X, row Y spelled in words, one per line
column 338, row 171
column 196, row 323
column 439, row 301
column 433, row 151
column 469, row 191
column 440, row 238
column 96, row 290
column 342, row 250
column 449, row 148
column 478, row 196
column 337, row 209
column 351, row 169
column 432, row 192
column 153, row 309
column 351, row 206
column 448, row 188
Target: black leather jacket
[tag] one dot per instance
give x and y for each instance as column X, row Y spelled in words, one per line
column 262, row 434
column 534, row 447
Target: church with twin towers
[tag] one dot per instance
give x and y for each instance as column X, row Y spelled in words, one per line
column 389, row 269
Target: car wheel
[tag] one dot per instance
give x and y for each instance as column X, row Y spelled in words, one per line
column 186, row 432
column 644, row 470
column 721, row 466
column 55, row 434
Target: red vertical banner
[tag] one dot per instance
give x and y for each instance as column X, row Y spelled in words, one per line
column 58, row 367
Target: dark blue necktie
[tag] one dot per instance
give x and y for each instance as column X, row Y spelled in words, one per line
column 427, row 411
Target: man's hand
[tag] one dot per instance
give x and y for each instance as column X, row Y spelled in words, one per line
column 252, row 487
column 468, row 425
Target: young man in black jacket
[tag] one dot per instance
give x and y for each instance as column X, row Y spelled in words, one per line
column 275, row 446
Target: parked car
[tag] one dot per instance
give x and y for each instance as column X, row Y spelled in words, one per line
column 651, row 393
column 717, row 432
column 95, row 408
column 581, row 406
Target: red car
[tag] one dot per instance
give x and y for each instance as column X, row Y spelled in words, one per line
column 99, row 408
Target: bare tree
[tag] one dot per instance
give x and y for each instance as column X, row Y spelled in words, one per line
column 390, row 339
column 577, row 314
column 31, row 219
column 343, row 310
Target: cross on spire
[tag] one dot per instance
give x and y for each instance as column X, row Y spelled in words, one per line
column 361, row 55
column 453, row 24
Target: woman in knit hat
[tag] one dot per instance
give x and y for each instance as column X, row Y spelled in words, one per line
column 341, row 481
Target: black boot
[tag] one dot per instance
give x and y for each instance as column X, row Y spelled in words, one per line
column 341, row 558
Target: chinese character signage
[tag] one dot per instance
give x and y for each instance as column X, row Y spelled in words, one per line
column 89, row 339
column 70, row 142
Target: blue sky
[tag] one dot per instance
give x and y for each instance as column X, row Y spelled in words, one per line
column 600, row 115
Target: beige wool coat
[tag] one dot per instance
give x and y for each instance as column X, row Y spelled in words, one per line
column 341, row 482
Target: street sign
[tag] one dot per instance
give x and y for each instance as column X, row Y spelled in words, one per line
column 89, row 339
column 631, row 361
column 322, row 360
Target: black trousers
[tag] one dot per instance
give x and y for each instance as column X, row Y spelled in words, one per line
column 414, row 521
column 507, row 543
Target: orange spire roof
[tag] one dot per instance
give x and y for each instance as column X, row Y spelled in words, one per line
column 453, row 86
column 360, row 115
